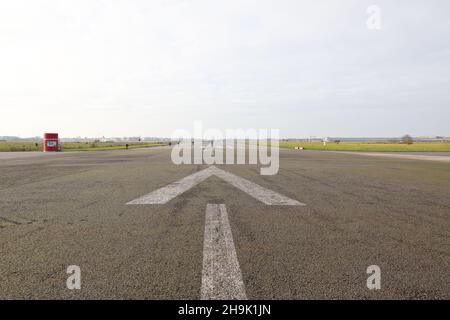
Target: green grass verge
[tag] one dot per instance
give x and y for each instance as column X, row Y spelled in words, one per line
column 74, row 146
column 106, row 146
column 370, row 147
column 19, row 146
column 331, row 146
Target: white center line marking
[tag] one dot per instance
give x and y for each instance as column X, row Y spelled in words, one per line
column 221, row 274
column 167, row 193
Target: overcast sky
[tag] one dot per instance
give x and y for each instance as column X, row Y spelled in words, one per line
column 308, row 68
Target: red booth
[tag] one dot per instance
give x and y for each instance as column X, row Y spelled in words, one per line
column 51, row 142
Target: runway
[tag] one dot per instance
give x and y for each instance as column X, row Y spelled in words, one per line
column 309, row 232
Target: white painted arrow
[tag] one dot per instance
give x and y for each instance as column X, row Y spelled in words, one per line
column 221, row 274
column 167, row 193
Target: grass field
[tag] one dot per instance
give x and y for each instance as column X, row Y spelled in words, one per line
column 370, row 147
column 75, row 146
column 331, row 146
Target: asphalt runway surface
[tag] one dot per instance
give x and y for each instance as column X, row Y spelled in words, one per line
column 64, row 209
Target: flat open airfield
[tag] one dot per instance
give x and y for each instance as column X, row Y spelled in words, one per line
column 67, row 209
